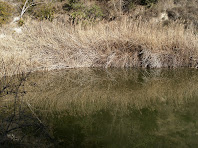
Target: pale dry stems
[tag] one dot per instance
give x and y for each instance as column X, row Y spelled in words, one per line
column 46, row 45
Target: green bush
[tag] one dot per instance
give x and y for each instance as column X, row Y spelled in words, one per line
column 72, row 5
column 5, row 12
column 90, row 14
column 43, row 11
column 78, row 11
column 131, row 3
column 148, row 3
column 21, row 22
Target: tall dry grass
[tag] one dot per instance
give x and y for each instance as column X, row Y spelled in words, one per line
column 122, row 43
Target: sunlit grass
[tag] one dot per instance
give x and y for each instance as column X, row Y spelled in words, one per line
column 124, row 43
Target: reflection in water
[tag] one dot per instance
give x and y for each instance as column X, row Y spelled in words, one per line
column 100, row 108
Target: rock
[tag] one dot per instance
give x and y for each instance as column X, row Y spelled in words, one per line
column 2, row 36
column 17, row 30
column 163, row 16
column 16, row 19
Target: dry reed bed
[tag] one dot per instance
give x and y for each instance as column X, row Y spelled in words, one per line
column 124, row 43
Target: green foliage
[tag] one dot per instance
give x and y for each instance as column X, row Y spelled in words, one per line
column 80, row 12
column 91, row 14
column 148, row 3
column 5, row 12
column 72, row 5
column 77, row 6
column 131, row 3
column 94, row 12
column 21, row 22
column 44, row 11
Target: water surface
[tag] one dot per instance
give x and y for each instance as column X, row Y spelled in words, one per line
column 100, row 108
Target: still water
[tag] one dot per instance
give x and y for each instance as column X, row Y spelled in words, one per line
column 110, row 108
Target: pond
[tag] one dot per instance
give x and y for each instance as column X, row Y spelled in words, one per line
column 114, row 108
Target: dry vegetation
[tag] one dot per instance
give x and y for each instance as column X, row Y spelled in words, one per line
column 124, row 42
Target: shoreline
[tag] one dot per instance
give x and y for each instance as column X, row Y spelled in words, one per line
column 122, row 43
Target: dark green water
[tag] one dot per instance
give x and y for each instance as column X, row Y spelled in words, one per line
column 111, row 108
